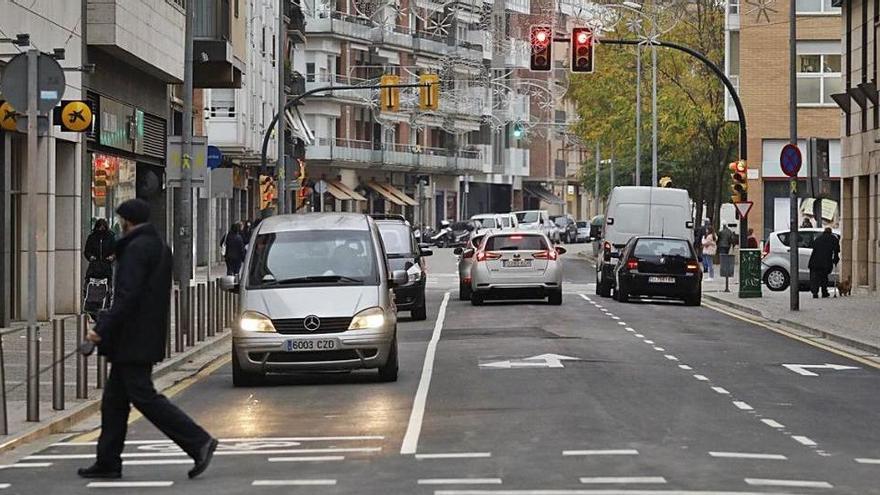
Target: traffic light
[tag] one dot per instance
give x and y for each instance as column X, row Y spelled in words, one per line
column 518, row 130
column 7, row 117
column 267, row 191
column 739, row 181
column 542, row 48
column 429, row 93
column 582, row 50
column 101, row 180
column 389, row 98
column 73, row 116
column 665, row 181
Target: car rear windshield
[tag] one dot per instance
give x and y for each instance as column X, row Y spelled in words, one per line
column 561, row 221
column 527, row 217
column 397, row 238
column 516, row 243
column 313, row 258
column 649, row 248
column 582, row 225
column 487, row 223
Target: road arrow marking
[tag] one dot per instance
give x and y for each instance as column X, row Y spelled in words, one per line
column 539, row 361
column 803, row 369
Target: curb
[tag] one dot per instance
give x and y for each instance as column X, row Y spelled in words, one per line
column 838, row 339
column 86, row 409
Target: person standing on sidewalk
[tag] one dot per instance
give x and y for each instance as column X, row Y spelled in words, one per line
column 132, row 335
column 726, row 240
column 234, row 249
column 752, row 240
column 826, row 254
column 710, row 247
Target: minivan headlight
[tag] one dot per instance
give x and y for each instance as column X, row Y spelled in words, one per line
column 251, row 321
column 368, row 319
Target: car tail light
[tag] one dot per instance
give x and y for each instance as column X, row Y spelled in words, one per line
column 693, row 267
column 632, row 264
column 483, row 256
column 546, row 255
column 766, row 250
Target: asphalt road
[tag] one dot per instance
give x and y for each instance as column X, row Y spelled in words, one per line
column 526, row 398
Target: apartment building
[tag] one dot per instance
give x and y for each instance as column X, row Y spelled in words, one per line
column 858, row 98
column 756, row 60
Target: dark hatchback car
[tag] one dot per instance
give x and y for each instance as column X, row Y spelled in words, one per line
column 404, row 253
column 658, row 267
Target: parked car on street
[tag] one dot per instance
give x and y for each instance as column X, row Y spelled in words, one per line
column 516, row 264
column 315, row 295
column 538, row 221
column 465, row 262
column 663, row 267
column 583, row 232
column 404, row 253
column 776, row 264
column 567, row 227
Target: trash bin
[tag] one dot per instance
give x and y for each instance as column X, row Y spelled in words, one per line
column 728, row 262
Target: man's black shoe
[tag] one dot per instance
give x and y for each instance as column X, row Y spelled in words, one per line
column 99, row 472
column 826, row 295
column 815, row 296
column 205, row 455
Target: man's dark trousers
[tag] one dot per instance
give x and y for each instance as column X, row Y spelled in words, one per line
column 819, row 280
column 132, row 384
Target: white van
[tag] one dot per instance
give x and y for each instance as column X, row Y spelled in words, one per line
column 645, row 211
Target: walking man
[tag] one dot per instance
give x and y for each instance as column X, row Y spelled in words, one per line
column 132, row 335
column 234, row 249
column 726, row 240
column 826, row 254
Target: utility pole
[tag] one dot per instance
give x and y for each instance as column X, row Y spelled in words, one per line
column 794, row 287
column 281, row 164
column 596, row 181
column 653, row 104
column 183, row 238
column 33, row 330
column 638, row 115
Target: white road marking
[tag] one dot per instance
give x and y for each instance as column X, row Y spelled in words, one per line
column 772, row 423
column 624, row 480
column 455, row 455
column 236, row 440
column 614, row 317
column 742, row 405
column 137, row 455
column 804, row 440
column 701, row 378
column 650, row 342
column 26, row 465
column 640, row 336
column 129, row 484
column 863, row 460
column 156, row 462
column 671, row 357
column 599, row 492
column 460, row 481
column 721, row 391
column 600, row 452
column 802, row 369
column 293, row 483
column 660, row 349
column 685, row 367
column 317, row 458
column 4, row 486
column 414, row 429
column 788, row 483
column 747, row 455
column 630, row 329
column 621, row 323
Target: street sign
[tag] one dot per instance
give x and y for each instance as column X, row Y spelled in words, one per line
column 215, row 157
column 50, row 82
column 790, row 160
column 743, row 208
column 320, row 187
column 803, row 369
column 540, row 361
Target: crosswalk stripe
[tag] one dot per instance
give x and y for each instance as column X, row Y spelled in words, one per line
column 130, row 484
column 293, row 482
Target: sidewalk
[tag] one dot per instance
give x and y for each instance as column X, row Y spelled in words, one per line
column 848, row 321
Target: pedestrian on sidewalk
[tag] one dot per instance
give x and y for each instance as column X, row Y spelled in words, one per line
column 233, row 252
column 100, row 252
column 132, row 335
column 752, row 240
column 826, row 254
column 726, row 240
column 710, row 247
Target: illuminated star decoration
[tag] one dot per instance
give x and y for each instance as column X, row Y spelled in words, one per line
column 763, row 8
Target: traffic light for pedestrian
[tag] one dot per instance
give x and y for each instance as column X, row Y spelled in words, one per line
column 518, row 130
column 739, row 181
column 665, row 181
column 429, row 92
column 389, row 97
column 267, row 191
column 582, row 50
column 542, row 48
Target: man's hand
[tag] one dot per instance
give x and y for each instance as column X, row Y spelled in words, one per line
column 93, row 336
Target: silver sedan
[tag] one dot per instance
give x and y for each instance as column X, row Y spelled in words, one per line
column 516, row 264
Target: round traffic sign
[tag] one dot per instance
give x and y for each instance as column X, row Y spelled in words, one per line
column 50, row 82
column 790, row 160
column 77, row 116
column 321, row 187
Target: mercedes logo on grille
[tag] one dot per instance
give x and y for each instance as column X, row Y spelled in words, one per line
column 312, row 323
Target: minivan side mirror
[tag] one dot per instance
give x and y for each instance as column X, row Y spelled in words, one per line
column 229, row 283
column 398, row 278
column 690, row 224
column 609, row 221
column 457, row 251
column 560, row 250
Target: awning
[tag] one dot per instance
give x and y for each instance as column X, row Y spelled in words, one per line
column 352, row 194
column 336, row 192
column 375, row 186
column 543, row 194
column 298, row 127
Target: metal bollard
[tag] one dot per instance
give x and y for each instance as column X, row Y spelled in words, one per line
column 178, row 322
column 101, row 378
column 168, row 322
column 191, row 316
column 82, row 362
column 201, row 322
column 33, row 373
column 58, row 364
column 209, row 317
column 4, row 423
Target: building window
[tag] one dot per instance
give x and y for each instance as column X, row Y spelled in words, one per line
column 310, row 72
column 733, row 7
column 816, row 7
column 818, row 78
column 235, row 8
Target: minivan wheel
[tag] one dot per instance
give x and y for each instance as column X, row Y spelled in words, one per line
column 694, row 300
column 777, row 279
column 388, row 373
column 464, row 291
column 477, row 299
column 242, row 378
column 420, row 313
column 555, row 298
column 603, row 288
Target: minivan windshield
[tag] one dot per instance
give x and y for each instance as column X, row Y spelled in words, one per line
column 527, row 217
column 312, row 258
column 397, row 239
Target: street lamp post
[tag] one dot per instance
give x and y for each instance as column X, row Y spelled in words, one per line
column 638, row 115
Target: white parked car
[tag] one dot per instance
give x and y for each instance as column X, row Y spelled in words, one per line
column 538, row 221
column 775, row 262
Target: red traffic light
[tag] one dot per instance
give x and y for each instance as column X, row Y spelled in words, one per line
column 582, row 49
column 542, row 48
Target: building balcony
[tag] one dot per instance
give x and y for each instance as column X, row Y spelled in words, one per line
column 393, row 36
column 147, row 34
column 430, row 43
column 216, row 65
column 342, row 25
column 392, row 156
column 296, row 21
column 519, row 6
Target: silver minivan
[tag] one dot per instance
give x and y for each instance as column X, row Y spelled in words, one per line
column 315, row 294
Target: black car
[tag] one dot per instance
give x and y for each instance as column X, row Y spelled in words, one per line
column 658, row 267
column 568, row 229
column 404, row 253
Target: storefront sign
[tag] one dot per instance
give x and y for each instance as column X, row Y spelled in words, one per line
column 120, row 126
